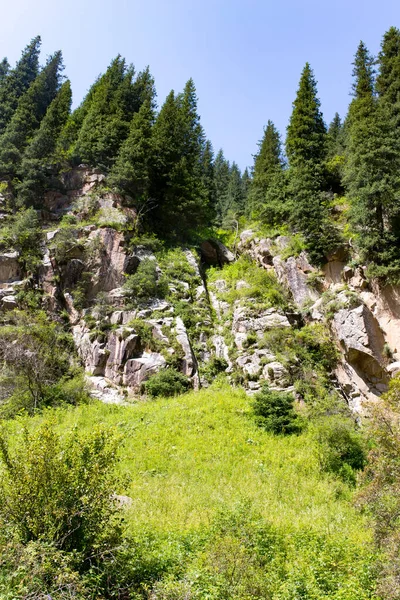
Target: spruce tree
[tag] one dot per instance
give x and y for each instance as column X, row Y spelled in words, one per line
column 131, row 171
column 306, row 151
column 26, row 119
column 17, row 81
column 39, row 164
column 4, row 69
column 208, row 176
column 372, row 175
column 177, row 184
column 222, row 172
column 306, row 133
column 266, row 162
column 334, row 138
column 109, row 112
column 388, row 79
column 236, row 195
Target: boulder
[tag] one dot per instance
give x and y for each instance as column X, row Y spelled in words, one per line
column 243, row 322
column 9, row 303
column 9, row 267
column 122, row 345
column 362, row 340
column 138, row 370
column 214, row 253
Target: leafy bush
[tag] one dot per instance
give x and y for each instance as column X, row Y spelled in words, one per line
column 145, row 284
column 23, row 233
column 36, row 365
column 59, row 522
column 167, row 382
column 341, row 449
column 275, row 412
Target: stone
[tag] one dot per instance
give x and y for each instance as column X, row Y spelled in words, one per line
column 189, row 361
column 214, row 253
column 275, row 373
column 394, row 368
column 9, row 303
column 221, row 350
column 122, row 345
column 291, row 275
column 138, row 370
column 362, row 340
column 347, row 273
column 9, row 267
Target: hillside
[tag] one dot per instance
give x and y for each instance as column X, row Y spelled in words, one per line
column 198, row 387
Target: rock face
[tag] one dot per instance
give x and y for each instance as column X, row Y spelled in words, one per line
column 293, row 274
column 363, row 342
column 9, row 267
column 214, row 253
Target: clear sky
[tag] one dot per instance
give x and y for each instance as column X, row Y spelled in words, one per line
column 245, row 57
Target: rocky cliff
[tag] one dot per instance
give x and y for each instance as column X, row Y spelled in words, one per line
column 261, row 314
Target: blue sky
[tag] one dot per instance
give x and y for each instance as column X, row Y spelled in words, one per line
column 245, row 57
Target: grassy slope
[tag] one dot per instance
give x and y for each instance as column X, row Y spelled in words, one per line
column 188, row 457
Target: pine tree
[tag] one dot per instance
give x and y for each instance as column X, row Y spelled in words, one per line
column 388, row 79
column 372, row 174
column 177, row 184
column 39, row 163
column 334, row 138
column 207, row 170
column 106, row 117
column 306, row 149
column 236, row 196
column 306, row 133
column 31, row 110
column 222, row 172
column 266, row 162
column 17, row 81
column 246, row 181
column 131, row 171
column 4, row 69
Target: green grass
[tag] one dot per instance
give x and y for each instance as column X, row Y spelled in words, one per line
column 188, row 457
column 225, row 510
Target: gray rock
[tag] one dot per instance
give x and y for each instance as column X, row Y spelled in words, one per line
column 291, row 275
column 9, row 303
column 189, row 362
column 214, row 253
column 9, row 267
column 138, row 370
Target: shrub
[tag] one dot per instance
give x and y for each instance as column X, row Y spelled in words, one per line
column 167, row 382
column 341, row 449
column 23, row 233
column 275, row 411
column 36, row 369
column 57, row 514
column 145, row 284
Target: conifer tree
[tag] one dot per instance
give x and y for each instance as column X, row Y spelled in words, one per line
column 306, row 150
column 17, row 81
column 177, row 185
column 236, row 195
column 39, row 163
column 222, row 172
column 4, row 69
column 372, row 174
column 131, row 171
column 388, row 79
column 246, row 180
column 306, row 133
column 334, row 137
column 106, row 117
column 207, row 170
column 266, row 162
column 26, row 119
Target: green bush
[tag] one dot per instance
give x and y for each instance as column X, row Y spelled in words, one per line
column 341, row 449
column 23, row 233
column 60, row 528
column 275, row 411
column 145, row 284
column 166, row 382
